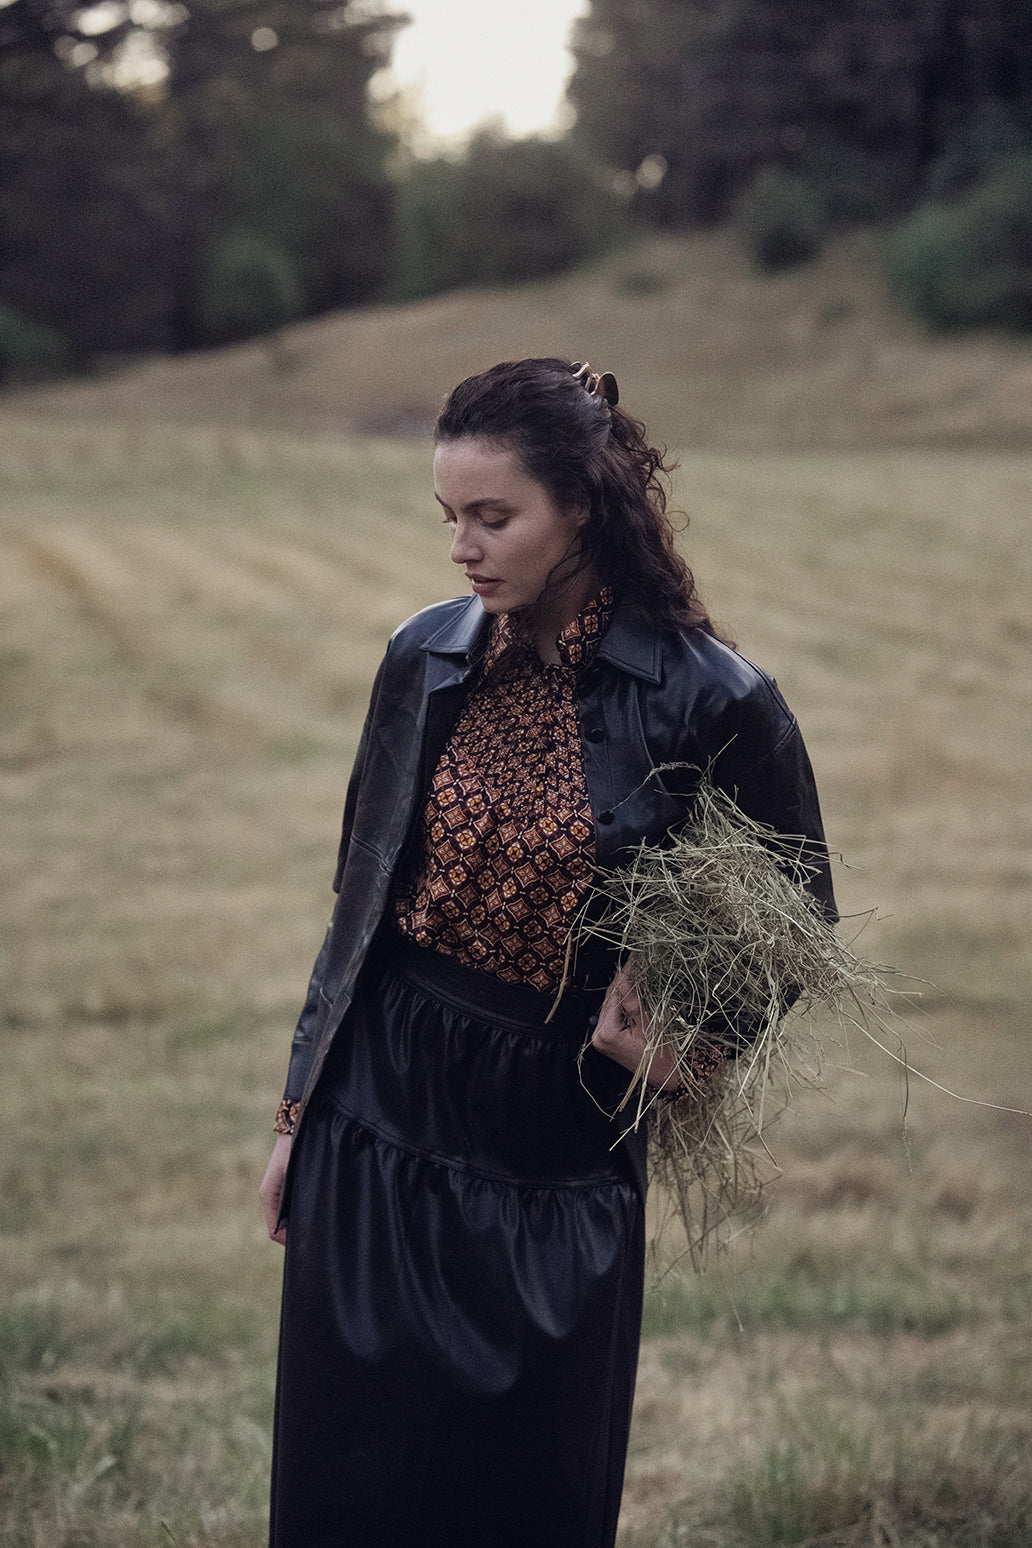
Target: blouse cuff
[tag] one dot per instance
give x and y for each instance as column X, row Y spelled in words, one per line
column 287, row 1114
column 702, row 1064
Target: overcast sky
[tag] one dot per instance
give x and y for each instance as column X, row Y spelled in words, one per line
column 475, row 59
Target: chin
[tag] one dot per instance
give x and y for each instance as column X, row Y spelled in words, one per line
column 494, row 604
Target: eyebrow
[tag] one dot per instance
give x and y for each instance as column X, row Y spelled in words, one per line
column 491, row 502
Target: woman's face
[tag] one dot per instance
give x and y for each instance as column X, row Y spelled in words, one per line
column 508, row 534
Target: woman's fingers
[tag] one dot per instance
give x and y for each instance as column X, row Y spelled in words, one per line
column 620, row 1033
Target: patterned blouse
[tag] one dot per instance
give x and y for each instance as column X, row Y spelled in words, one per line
column 508, row 836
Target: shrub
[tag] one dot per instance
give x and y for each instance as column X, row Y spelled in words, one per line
column 250, row 286
column 976, row 150
column 29, row 351
column 854, row 184
column 640, row 281
column 781, row 219
column 506, row 211
column 923, row 261
column 968, row 264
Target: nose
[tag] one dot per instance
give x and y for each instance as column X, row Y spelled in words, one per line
column 465, row 548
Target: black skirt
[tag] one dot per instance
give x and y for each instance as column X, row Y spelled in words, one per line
column 463, row 1282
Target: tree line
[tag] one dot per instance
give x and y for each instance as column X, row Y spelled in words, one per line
column 177, row 174
column 181, row 173
column 797, row 118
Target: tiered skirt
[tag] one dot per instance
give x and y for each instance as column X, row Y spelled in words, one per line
column 463, row 1282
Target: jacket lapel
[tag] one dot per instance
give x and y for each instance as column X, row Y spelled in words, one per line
column 449, row 663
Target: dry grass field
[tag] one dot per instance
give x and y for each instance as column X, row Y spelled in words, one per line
column 191, row 614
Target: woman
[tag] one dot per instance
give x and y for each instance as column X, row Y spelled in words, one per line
column 464, row 1261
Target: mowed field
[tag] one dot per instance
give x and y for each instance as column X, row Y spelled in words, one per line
column 191, row 616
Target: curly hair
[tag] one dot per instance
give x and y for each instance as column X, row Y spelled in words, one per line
column 587, row 453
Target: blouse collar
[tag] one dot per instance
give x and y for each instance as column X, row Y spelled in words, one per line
column 576, row 642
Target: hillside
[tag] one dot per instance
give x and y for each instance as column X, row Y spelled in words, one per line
column 198, row 572
column 814, row 358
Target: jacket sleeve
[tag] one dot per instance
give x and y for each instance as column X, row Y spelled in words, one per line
column 764, row 767
column 304, row 1033
column 358, row 769
column 778, row 790
column 308, row 1023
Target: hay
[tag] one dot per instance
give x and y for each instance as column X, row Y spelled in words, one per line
column 728, row 952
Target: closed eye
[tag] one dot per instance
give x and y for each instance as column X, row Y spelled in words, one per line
column 449, row 520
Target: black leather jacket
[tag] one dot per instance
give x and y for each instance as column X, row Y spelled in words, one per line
column 645, row 700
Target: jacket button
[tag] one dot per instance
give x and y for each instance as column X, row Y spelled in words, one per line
column 595, row 734
column 606, row 818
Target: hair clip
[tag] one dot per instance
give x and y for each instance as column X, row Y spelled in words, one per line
column 598, row 384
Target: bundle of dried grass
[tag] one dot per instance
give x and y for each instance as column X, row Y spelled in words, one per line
column 727, row 951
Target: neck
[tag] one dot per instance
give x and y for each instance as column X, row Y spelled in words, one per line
column 559, row 609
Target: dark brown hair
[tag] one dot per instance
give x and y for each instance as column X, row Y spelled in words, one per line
column 587, row 453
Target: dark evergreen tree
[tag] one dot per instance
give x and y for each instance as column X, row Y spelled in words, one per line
column 117, row 200
column 268, row 115
column 859, row 94
column 80, row 208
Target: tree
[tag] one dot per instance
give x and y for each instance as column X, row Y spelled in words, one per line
column 716, row 89
column 119, row 185
column 268, row 110
column 80, row 223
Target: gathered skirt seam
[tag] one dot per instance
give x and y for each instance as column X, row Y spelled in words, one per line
column 454, row 1164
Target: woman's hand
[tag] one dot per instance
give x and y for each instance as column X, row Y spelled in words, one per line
column 620, row 1034
column 270, row 1189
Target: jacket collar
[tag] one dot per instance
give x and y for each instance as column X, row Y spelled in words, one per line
column 631, row 645
column 458, row 636
column 627, row 644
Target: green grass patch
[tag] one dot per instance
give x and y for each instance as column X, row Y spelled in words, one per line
column 135, row 1328
column 833, row 1477
column 126, row 1403
column 84, row 1469
column 808, row 1291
